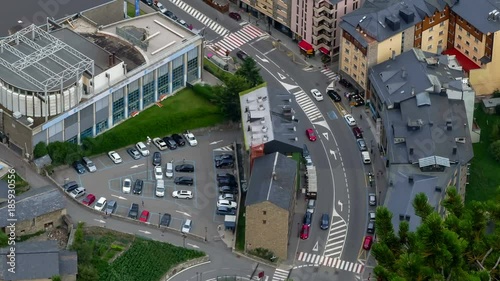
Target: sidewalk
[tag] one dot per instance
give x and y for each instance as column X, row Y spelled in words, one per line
column 22, row 167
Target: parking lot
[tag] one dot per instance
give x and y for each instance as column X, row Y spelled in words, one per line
column 201, row 209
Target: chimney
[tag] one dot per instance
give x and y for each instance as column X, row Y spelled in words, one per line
column 110, row 60
column 393, row 57
column 454, row 150
column 410, row 179
column 412, row 91
column 403, row 72
column 114, row 58
column 411, row 151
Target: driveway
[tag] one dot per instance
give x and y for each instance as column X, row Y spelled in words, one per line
column 107, row 182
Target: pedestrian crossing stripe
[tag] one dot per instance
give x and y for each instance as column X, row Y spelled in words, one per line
column 330, row 74
column 280, row 275
column 330, row 262
column 307, row 105
column 225, row 148
column 208, row 22
column 236, row 39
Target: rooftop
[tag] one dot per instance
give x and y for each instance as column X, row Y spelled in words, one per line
column 479, row 14
column 464, row 61
column 272, row 179
column 256, row 117
column 488, row 103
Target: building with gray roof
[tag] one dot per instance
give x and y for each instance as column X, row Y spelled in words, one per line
column 270, row 202
column 489, row 105
column 425, row 130
column 40, row 260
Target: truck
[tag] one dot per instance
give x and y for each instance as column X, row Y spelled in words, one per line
column 311, row 182
column 219, row 62
column 160, row 188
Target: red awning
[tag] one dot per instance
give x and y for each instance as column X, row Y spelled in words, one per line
column 324, row 51
column 466, row 63
column 305, row 46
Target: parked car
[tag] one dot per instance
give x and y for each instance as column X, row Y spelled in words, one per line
column 159, row 6
column 345, row 83
column 100, row 204
column 156, row 158
column 227, row 203
column 87, row 201
column 235, row 16
column 111, row 207
column 186, row 226
column 70, row 186
column 126, row 185
column 115, row 157
column 307, row 218
column 241, row 55
column 311, row 205
column 89, row 164
column 170, row 142
column 134, row 153
column 230, row 181
column 222, row 176
column 227, row 196
column 144, row 216
column 357, row 132
column 182, row 194
column 367, row 243
column 179, row 139
column 190, row 138
column 165, row 220
column 142, row 148
column 133, row 212
column 184, row 168
column 183, row 180
column 372, row 199
column 310, row 135
column 350, row 120
column 304, row 232
column 371, row 227
column 182, row 22
column 371, row 216
column 224, row 210
column 148, row 2
column 170, row 15
column 224, row 156
column 361, row 144
column 79, row 168
column 334, row 95
column 158, row 173
column 138, row 186
column 169, row 171
column 78, row 192
column 228, row 189
column 224, row 164
column 160, row 144
column 316, row 94
column 324, row 222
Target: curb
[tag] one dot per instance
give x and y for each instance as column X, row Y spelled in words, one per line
column 188, row 268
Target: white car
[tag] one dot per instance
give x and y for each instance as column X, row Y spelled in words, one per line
column 101, row 204
column 126, row 186
column 227, row 203
column 160, row 7
column 79, row 191
column 316, row 94
column 169, row 170
column 115, row 157
column 190, row 138
column 182, row 194
column 158, row 173
column 186, row 226
column 350, row 120
column 227, row 196
column 160, row 143
column 143, row 149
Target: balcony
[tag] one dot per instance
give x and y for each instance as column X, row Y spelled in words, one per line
column 323, row 7
column 327, row 27
column 282, row 13
column 282, row 4
column 318, row 20
column 322, row 36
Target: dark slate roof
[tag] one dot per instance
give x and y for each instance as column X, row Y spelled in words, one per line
column 476, row 13
column 263, row 187
column 68, row 263
column 34, row 203
column 4, row 191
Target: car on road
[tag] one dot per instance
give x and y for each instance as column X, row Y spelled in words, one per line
column 371, row 227
column 367, row 243
column 142, row 148
column 310, row 134
column 361, row 144
column 179, row 139
column 169, row 171
column 134, row 153
column 311, row 205
column 324, row 222
column 186, row 226
column 365, row 155
column 170, row 142
column 183, row 180
column 89, row 164
column 182, row 194
column 317, row 94
column 227, row 203
column 334, row 95
column 144, row 216
column 357, row 132
column 160, row 144
column 235, row 16
column 133, row 212
column 224, row 164
column 111, row 207
column 138, row 186
column 242, row 55
column 148, row 2
column 350, row 120
column 100, row 204
column 126, row 185
column 170, row 15
column 227, row 196
column 182, row 22
column 78, row 192
column 224, row 156
column 345, row 83
column 225, row 210
column 190, row 138
column 156, row 158
column 87, row 201
column 184, row 168
column 372, row 199
column 115, row 157
column 158, row 173
column 79, row 168
column 165, row 220
column 371, row 216
column 307, row 218
column 304, row 232
column 159, row 6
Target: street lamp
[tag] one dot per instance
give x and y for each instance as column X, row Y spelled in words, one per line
column 159, row 219
column 206, row 229
column 148, row 143
column 184, row 240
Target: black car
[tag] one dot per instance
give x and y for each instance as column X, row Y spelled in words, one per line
column 134, row 153
column 334, row 95
column 307, row 218
column 227, row 182
column 224, row 164
column 133, row 212
column 223, row 210
column 242, row 55
column 170, row 142
column 223, row 156
column 148, row 2
column 179, row 139
column 157, row 159
column 79, row 168
column 170, row 15
column 325, row 221
column 228, row 189
column 226, row 175
column 183, row 180
column 70, row 186
column 184, row 168
column 371, row 227
column 345, row 83
column 138, row 185
column 165, row 220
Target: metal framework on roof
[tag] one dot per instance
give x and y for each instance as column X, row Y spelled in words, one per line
column 433, row 161
column 29, row 36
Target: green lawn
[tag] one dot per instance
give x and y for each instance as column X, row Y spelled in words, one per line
column 485, row 171
column 21, row 185
column 131, row 10
column 183, row 111
column 240, row 234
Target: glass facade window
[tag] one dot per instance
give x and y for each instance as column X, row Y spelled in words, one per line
column 178, row 73
column 192, row 65
column 148, row 93
column 133, row 101
column 87, row 133
column 118, row 111
column 72, row 140
column 101, row 127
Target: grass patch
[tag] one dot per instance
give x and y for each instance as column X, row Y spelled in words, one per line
column 484, row 171
column 28, row 236
column 215, row 70
column 297, row 157
column 131, row 10
column 253, row 89
column 183, row 111
column 21, row 185
column 240, row 233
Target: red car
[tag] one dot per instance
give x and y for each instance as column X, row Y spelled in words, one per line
column 367, row 244
column 304, row 233
column 88, row 200
column 144, row 216
column 357, row 132
column 235, row 16
column 310, row 134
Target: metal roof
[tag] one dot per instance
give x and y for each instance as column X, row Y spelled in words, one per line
column 433, row 160
column 423, row 99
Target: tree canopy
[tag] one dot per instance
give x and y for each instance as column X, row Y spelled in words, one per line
column 463, row 245
column 250, row 72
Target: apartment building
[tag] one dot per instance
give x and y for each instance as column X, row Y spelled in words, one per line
column 275, row 13
column 383, row 28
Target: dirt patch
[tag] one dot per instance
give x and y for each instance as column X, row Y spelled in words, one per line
column 58, row 234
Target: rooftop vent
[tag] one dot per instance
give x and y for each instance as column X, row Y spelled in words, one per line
column 274, row 176
column 393, row 56
column 30, row 121
column 407, row 15
column 265, row 138
column 293, row 128
column 403, row 72
column 17, row 115
column 494, row 15
column 393, row 22
column 414, row 125
column 263, row 120
column 264, row 129
column 261, row 107
column 411, row 150
column 454, row 150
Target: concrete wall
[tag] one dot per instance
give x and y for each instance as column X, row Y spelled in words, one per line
column 19, row 134
column 38, row 224
column 486, row 80
column 385, row 48
column 434, row 37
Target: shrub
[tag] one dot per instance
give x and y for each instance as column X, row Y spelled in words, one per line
column 497, row 109
column 40, row 150
column 496, row 93
column 117, row 247
column 263, row 253
column 205, row 91
column 495, row 150
column 64, row 152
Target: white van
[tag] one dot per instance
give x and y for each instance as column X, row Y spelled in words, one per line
column 160, row 188
column 366, row 157
column 169, row 170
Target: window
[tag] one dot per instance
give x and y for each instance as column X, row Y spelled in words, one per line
column 347, row 51
column 468, row 34
column 101, row 127
column 440, row 42
column 133, row 101
column 441, row 33
column 475, row 49
column 467, row 43
column 264, row 213
column 346, row 69
column 430, row 38
column 264, row 222
column 459, row 37
column 429, row 47
column 474, row 58
column 467, row 52
column 148, row 94
column 362, row 74
column 177, row 73
column 431, row 29
column 118, row 106
column 192, row 68
column 460, row 28
column 459, row 47
column 73, row 140
column 354, row 76
column 475, row 40
column 87, row 133
column 355, row 67
column 346, row 59
column 431, row 19
column 163, row 80
column 441, row 24
column 363, row 64
column 355, row 58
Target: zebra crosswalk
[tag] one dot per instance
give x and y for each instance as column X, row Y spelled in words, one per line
column 330, row 74
column 336, row 237
column 236, row 39
column 330, row 262
column 225, row 148
column 208, row 22
column 304, row 101
column 280, row 274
